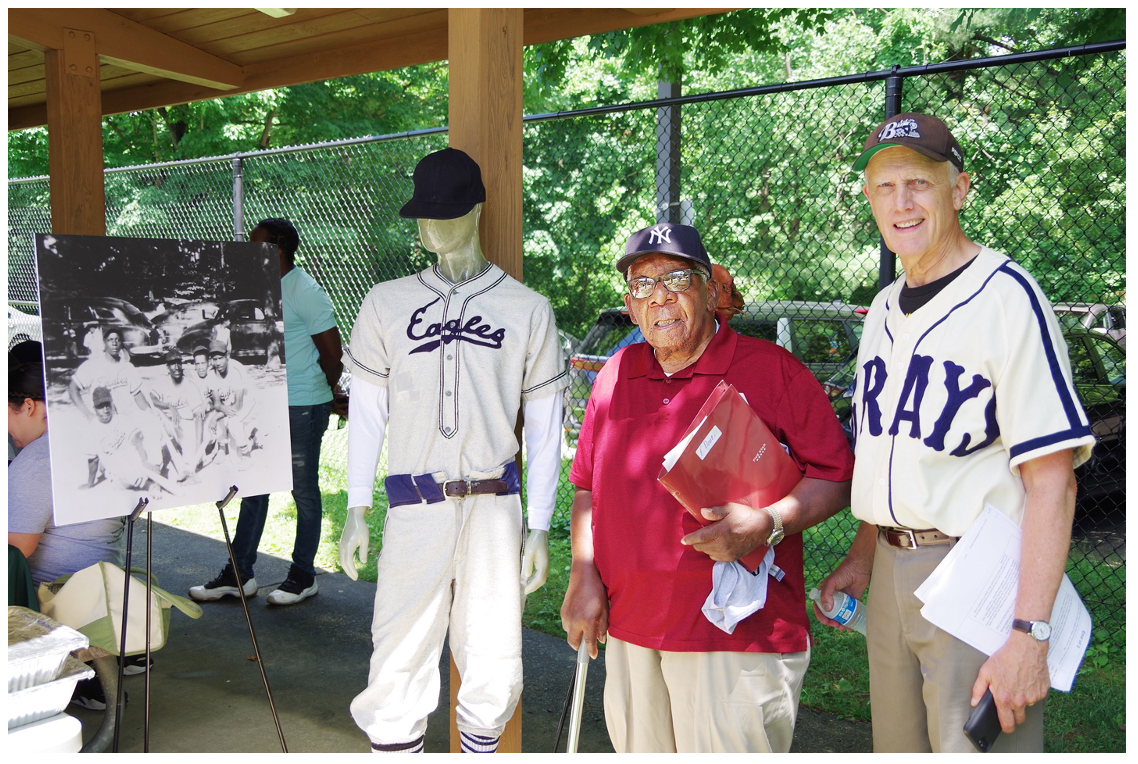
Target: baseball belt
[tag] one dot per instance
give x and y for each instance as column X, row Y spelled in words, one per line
column 907, row 538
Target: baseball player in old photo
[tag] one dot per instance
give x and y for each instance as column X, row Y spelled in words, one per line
column 442, row 362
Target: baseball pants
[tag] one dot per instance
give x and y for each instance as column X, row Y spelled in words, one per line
column 658, row 701
column 920, row 677
column 455, row 564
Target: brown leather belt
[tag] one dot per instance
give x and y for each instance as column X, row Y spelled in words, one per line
column 467, row 487
column 907, row 538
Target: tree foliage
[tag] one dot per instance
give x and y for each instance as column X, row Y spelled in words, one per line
column 768, row 177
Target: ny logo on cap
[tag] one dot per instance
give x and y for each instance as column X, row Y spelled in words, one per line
column 660, row 235
column 905, row 128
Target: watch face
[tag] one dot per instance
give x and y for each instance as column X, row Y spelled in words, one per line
column 1041, row 630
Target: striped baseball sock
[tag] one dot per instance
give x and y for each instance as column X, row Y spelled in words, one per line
column 415, row 746
column 471, row 743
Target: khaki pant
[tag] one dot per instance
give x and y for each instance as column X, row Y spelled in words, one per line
column 920, row 677
column 721, row 702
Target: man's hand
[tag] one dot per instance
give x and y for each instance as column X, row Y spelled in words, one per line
column 735, row 530
column 535, row 561
column 1017, row 675
column 852, row 575
column 354, row 541
column 585, row 610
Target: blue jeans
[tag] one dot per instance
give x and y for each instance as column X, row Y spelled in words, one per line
column 306, row 425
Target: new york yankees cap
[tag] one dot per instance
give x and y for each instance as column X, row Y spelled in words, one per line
column 667, row 239
column 448, row 184
column 920, row 132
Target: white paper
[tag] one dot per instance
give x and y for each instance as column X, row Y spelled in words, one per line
column 673, row 456
column 972, row 595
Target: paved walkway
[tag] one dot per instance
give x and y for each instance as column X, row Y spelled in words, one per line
column 207, row 694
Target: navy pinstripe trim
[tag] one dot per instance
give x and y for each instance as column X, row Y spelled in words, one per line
column 458, row 367
column 529, row 390
column 1075, row 433
column 1070, row 406
column 398, row 747
column 364, row 366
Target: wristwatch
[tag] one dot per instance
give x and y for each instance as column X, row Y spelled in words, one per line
column 1040, row 631
column 777, row 533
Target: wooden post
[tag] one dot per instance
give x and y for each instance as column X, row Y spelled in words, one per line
column 485, row 113
column 75, row 136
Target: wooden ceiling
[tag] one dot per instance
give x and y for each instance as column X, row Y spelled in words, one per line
column 151, row 57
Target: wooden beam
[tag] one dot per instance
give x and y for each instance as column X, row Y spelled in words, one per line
column 75, row 136
column 124, row 43
column 421, row 47
column 485, row 115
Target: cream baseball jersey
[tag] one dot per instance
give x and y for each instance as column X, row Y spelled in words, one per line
column 457, row 361
column 951, row 399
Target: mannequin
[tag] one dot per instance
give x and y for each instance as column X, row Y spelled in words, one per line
column 460, row 259
column 442, row 362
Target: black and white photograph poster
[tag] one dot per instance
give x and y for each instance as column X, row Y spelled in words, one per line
column 165, row 374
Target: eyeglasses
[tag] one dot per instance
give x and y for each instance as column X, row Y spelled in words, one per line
column 674, row 281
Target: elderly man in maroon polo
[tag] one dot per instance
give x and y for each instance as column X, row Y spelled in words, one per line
column 676, row 681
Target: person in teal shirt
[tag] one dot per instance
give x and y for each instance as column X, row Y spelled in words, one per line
column 313, row 368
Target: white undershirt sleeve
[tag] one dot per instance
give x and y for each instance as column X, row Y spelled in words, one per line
column 542, row 432
column 367, row 425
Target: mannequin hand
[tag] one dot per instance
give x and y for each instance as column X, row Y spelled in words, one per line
column 535, row 562
column 354, row 541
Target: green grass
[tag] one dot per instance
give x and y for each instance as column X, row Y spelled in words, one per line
column 1091, row 718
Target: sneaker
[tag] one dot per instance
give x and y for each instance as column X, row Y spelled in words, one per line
column 89, row 694
column 133, row 665
column 225, row 585
column 297, row 587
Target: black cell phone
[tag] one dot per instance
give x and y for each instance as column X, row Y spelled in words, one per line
column 983, row 725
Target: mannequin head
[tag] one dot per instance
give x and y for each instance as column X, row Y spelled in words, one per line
column 456, row 243
column 446, row 236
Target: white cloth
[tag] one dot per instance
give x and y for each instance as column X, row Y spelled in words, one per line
column 736, row 592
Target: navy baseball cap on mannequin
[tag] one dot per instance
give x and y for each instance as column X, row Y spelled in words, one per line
column 448, row 184
column 668, row 239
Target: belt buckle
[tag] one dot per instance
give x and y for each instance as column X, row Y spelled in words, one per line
column 911, row 535
column 456, row 488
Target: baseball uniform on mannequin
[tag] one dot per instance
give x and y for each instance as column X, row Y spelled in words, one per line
column 442, row 361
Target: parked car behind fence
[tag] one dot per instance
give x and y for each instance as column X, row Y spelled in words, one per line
column 22, row 326
column 1096, row 317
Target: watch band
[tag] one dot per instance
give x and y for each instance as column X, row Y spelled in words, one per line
column 777, row 532
column 1040, row 631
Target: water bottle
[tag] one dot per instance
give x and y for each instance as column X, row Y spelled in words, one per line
column 847, row 611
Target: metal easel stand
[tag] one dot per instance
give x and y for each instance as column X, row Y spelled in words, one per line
column 245, row 606
column 126, row 620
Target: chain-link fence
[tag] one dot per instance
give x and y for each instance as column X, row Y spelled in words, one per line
column 765, row 175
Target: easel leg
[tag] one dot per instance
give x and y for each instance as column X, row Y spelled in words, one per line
column 245, row 606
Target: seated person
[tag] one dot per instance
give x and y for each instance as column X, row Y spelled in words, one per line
column 52, row 550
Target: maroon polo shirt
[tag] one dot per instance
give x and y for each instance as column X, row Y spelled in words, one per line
column 636, row 414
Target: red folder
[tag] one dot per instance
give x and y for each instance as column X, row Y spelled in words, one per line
column 728, row 454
